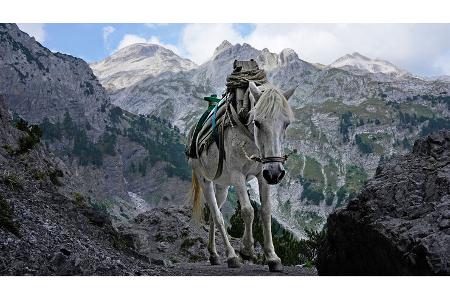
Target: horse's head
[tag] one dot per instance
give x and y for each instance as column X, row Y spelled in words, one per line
column 271, row 115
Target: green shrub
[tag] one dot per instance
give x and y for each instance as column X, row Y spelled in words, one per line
column 10, row 150
column 32, row 137
column 344, row 125
column 7, row 221
column 79, row 199
column 115, row 114
column 39, row 175
column 12, row 180
column 364, row 145
column 54, row 177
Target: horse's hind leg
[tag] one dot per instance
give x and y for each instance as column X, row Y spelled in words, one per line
column 208, row 193
column 247, row 249
column 221, row 196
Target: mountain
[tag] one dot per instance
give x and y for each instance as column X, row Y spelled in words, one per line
column 124, row 162
column 358, row 62
column 349, row 118
column 131, row 64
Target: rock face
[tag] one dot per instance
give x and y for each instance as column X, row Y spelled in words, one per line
column 400, row 223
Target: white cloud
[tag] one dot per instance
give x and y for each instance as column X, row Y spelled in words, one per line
column 198, row 41
column 129, row 39
column 419, row 48
column 107, row 31
column 35, row 30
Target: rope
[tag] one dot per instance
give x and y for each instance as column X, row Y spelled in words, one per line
column 242, row 78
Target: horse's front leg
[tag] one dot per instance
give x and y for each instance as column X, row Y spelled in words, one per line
column 272, row 258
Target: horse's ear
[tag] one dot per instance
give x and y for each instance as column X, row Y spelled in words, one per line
column 288, row 94
column 254, row 90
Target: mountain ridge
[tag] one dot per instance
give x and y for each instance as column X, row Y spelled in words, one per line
column 365, row 64
column 140, row 60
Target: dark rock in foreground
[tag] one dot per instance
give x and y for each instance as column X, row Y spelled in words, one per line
column 400, row 223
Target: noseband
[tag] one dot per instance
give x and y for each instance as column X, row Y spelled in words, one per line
column 272, row 159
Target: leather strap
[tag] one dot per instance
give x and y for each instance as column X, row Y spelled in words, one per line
column 270, row 159
column 238, row 122
column 221, row 152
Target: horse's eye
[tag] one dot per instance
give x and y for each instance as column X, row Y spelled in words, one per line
column 257, row 124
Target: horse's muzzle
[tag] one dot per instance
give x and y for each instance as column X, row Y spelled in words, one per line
column 273, row 172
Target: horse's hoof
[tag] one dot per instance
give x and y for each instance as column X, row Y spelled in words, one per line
column 275, row 265
column 234, row 262
column 214, row 260
column 247, row 254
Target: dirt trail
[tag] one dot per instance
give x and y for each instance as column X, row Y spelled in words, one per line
column 204, row 269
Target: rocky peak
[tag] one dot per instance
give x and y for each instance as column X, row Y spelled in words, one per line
column 287, row 55
column 267, row 59
column 140, row 51
column 136, row 62
column 359, row 63
column 224, row 45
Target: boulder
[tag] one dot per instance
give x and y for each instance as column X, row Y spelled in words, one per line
column 400, row 223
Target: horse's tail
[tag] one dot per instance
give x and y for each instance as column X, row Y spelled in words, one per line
column 196, row 199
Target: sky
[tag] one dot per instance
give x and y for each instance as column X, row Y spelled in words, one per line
column 423, row 49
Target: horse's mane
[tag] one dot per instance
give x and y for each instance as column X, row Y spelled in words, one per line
column 270, row 104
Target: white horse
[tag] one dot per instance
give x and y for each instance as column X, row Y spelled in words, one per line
column 268, row 121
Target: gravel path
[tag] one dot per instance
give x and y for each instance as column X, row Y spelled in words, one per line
column 205, row 269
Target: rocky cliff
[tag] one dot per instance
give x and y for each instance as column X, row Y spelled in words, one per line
column 400, row 223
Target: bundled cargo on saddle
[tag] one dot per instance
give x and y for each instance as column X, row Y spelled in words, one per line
column 235, row 102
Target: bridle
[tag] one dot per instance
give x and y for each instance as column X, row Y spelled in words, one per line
column 272, row 159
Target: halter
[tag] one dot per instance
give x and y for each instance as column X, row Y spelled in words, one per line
column 272, row 159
